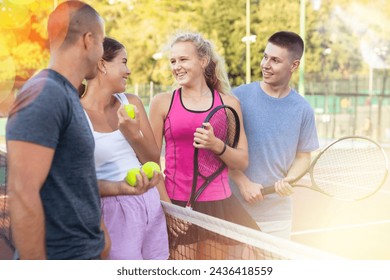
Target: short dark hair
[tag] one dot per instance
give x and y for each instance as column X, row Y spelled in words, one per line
column 111, row 48
column 69, row 20
column 290, row 41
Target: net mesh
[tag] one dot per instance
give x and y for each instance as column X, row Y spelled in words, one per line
column 5, row 231
column 196, row 236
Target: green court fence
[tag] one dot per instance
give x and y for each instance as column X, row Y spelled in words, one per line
column 342, row 107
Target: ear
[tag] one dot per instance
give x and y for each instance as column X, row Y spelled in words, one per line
column 295, row 65
column 204, row 61
column 88, row 40
column 101, row 66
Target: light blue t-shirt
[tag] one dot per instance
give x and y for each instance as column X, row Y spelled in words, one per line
column 276, row 128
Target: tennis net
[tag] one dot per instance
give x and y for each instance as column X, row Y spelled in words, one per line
column 196, row 236
column 5, row 231
column 193, row 235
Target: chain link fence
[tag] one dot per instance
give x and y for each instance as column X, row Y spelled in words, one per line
column 355, row 106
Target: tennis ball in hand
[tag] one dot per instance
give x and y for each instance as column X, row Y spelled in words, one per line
column 130, row 110
column 131, row 177
column 149, row 167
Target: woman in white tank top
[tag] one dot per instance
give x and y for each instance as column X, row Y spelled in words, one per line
column 133, row 215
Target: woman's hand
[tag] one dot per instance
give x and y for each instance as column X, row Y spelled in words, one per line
column 143, row 184
column 129, row 127
column 204, row 138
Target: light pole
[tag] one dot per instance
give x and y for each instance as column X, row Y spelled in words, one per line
column 302, row 22
column 316, row 4
column 248, row 39
column 156, row 56
column 381, row 52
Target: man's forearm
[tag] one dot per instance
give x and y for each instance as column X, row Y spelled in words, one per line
column 28, row 225
column 299, row 166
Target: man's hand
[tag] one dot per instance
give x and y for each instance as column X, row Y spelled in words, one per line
column 251, row 192
column 283, row 187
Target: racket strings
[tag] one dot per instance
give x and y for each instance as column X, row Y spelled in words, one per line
column 351, row 170
column 208, row 163
column 224, row 126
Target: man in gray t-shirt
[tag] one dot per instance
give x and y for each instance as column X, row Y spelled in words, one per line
column 281, row 132
column 54, row 201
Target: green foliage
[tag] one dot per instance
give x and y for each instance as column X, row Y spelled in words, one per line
column 23, row 39
column 225, row 26
column 145, row 27
column 270, row 17
column 333, row 34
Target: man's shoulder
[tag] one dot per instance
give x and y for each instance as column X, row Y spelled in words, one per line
column 302, row 103
column 300, row 98
column 245, row 88
column 42, row 82
column 250, row 85
column 42, row 91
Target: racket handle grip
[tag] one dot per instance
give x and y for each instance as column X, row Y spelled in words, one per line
column 268, row 190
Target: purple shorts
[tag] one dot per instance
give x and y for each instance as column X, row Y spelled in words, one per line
column 137, row 227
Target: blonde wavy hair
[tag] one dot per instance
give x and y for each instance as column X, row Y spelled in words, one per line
column 215, row 72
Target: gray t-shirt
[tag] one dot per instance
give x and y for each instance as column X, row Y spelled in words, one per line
column 49, row 113
column 276, row 128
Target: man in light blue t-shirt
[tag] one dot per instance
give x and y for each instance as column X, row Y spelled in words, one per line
column 281, row 133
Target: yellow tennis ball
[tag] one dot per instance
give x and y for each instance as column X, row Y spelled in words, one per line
column 131, row 177
column 130, row 110
column 149, row 167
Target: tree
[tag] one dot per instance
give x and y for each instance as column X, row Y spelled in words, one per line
column 144, row 27
column 270, row 17
column 225, row 26
column 23, row 48
column 333, row 34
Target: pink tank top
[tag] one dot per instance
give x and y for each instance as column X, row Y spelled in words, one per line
column 179, row 127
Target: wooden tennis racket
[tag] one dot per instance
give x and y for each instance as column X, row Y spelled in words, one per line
column 350, row 168
column 207, row 165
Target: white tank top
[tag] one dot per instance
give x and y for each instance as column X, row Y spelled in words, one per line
column 113, row 154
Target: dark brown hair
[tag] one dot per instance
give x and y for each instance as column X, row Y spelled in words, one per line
column 111, row 48
column 290, row 41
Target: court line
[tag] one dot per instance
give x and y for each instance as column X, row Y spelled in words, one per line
column 311, row 231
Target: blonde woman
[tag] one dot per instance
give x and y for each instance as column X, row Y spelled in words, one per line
column 178, row 117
